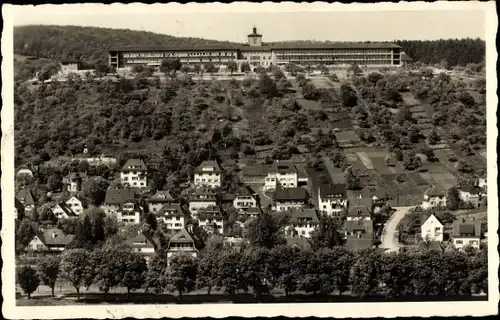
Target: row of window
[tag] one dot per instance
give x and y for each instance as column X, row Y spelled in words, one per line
column 175, row 54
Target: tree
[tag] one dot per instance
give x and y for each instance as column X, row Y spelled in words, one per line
column 245, row 67
column 155, row 277
column 365, row 273
column 109, row 263
column 228, row 272
column 354, row 69
column 374, row 77
column 138, row 68
column 266, row 230
column 47, row 72
column 76, row 269
column 433, row 137
column 48, row 271
column 452, row 198
column 232, row 66
column 101, row 69
column 349, row 97
column 326, row 234
column 94, row 190
column 28, row 279
column 284, row 268
column 135, row 271
column 170, row 66
column 478, row 274
column 267, row 86
column 310, row 92
column 210, row 67
column 256, row 270
column 24, row 234
column 207, row 272
column 181, row 273
column 353, row 182
column 401, row 264
column 464, row 167
column 411, row 160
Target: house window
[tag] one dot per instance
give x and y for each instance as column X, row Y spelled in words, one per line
column 473, row 242
column 459, row 242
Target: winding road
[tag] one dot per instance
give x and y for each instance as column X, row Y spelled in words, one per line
column 389, row 237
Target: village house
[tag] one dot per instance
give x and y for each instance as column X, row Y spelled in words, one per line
column 211, row 219
column 255, row 174
column 26, row 198
column 303, row 222
column 172, row 216
column 49, row 240
column 360, row 209
column 201, row 198
column 434, row 197
column 76, row 205
column 134, row 174
column 24, row 171
column 116, row 198
column 466, row 232
column 432, row 229
column 225, row 199
column 208, row 174
column 143, row 244
column 378, row 195
column 158, row 200
column 332, row 199
column 129, row 213
column 63, row 211
column 282, row 174
column 245, row 199
column 359, row 234
column 471, row 194
column 74, row 182
column 182, row 241
column 290, row 198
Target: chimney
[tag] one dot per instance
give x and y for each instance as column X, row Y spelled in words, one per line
column 254, row 30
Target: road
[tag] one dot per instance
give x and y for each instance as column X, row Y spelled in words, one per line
column 389, row 237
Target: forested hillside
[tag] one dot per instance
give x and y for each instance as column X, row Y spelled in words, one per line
column 89, row 43
column 453, row 51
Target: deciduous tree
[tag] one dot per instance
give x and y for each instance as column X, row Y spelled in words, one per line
column 48, row 271
column 76, row 269
column 28, row 279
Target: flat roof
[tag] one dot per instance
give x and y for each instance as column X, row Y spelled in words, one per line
column 264, row 47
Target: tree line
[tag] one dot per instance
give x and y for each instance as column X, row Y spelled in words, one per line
column 456, row 52
column 261, row 271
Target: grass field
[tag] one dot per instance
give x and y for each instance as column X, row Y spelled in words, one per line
column 347, row 136
column 409, row 99
column 417, row 179
column 365, row 160
column 321, row 82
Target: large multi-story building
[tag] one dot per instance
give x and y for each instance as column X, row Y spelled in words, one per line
column 261, row 54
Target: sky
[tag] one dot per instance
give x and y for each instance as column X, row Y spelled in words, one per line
column 274, row 25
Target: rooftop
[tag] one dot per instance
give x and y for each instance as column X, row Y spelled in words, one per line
column 54, row 237
column 259, row 170
column 170, row 210
column 300, row 215
column 290, row 194
column 354, row 243
column 181, row 237
column 467, row 228
column 337, row 190
column 119, row 196
column 25, row 197
column 66, row 209
column 161, row 196
column 135, row 164
column 365, row 226
column 283, row 167
column 435, row 191
column 208, row 164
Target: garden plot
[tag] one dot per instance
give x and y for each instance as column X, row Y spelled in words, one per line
column 444, row 180
column 409, row 99
column 443, row 155
column 365, row 160
column 405, row 188
column 347, row 137
column 321, row 82
column 417, row 179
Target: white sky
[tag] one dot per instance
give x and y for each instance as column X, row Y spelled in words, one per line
column 275, row 25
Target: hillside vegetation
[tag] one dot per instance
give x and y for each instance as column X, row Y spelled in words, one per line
column 88, row 43
column 91, row 44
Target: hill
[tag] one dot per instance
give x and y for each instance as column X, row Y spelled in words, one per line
column 88, row 43
column 91, row 44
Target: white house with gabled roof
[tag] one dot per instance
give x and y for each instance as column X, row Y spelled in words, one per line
column 432, row 229
column 209, row 174
column 282, row 173
column 134, row 174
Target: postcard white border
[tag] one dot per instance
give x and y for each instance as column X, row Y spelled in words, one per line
column 389, row 309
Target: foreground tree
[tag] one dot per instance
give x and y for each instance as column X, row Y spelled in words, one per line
column 28, row 279
column 256, row 271
column 170, row 66
column 266, row 230
column 180, row 275
column 232, row 66
column 284, row 268
column 135, row 271
column 326, row 234
column 48, row 271
column 207, row 273
column 365, row 273
column 76, row 269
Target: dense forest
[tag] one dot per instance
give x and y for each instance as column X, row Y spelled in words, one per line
column 454, row 51
column 91, row 44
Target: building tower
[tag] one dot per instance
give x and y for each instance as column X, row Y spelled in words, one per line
column 254, row 39
column 75, row 182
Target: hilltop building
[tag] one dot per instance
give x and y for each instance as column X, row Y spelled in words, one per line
column 208, row 174
column 262, row 54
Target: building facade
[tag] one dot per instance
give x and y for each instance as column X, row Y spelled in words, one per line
column 208, row 174
column 332, row 199
column 134, row 174
column 260, row 54
column 432, row 229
